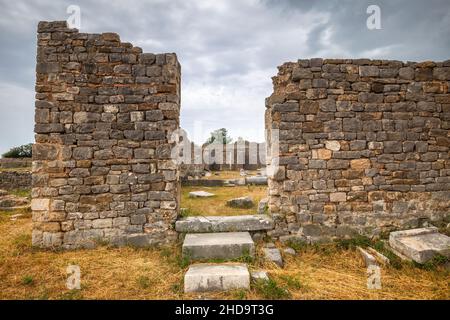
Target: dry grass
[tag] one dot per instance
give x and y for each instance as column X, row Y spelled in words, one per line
column 216, row 205
column 129, row 273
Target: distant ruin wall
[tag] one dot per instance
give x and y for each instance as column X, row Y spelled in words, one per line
column 363, row 146
column 11, row 180
column 105, row 113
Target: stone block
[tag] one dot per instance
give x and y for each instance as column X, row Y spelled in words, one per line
column 227, row 245
column 204, row 224
column 216, row 277
column 420, row 245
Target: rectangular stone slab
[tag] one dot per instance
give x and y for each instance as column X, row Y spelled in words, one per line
column 420, row 245
column 225, row 245
column 203, row 224
column 216, row 277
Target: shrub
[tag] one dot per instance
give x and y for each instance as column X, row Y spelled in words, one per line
column 23, row 151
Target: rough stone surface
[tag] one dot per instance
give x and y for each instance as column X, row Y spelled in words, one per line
column 379, row 256
column 200, row 194
column 225, row 245
column 105, row 113
column 273, row 255
column 369, row 260
column 420, row 245
column 263, row 206
column 216, row 277
column 257, row 180
column 202, row 224
column 12, row 202
column 242, row 202
column 259, row 275
column 358, row 147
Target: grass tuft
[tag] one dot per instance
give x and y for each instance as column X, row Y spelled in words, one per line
column 431, row 265
column 271, row 290
column 143, row 282
column 352, row 243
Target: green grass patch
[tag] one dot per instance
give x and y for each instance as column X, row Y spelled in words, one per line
column 239, row 294
column 271, row 290
column 26, row 193
column 297, row 244
column 352, row 243
column 27, row 280
column 144, row 282
column 72, row 295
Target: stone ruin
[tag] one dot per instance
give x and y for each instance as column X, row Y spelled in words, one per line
column 363, row 144
column 105, row 113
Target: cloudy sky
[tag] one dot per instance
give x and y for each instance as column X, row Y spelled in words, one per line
column 229, row 49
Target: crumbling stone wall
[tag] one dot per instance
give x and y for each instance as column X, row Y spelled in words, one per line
column 105, row 113
column 363, row 146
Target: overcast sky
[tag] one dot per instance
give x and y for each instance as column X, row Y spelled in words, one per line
column 228, row 50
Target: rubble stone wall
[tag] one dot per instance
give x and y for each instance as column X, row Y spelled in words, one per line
column 363, row 146
column 104, row 116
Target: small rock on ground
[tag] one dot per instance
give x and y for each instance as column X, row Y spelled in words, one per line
column 262, row 205
column 369, row 259
column 273, row 255
column 200, row 194
column 242, row 202
column 289, row 251
column 259, row 275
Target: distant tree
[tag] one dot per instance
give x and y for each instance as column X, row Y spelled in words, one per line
column 219, row 136
column 23, row 151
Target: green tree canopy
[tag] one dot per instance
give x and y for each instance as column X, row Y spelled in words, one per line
column 23, row 151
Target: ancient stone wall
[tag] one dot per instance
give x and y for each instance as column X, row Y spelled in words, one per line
column 363, row 146
column 105, row 113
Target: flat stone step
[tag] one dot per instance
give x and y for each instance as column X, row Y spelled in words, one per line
column 200, row 194
column 420, row 245
column 216, row 277
column 225, row 245
column 203, row 224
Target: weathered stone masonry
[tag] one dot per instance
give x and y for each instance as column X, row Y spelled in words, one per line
column 105, row 112
column 364, row 146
